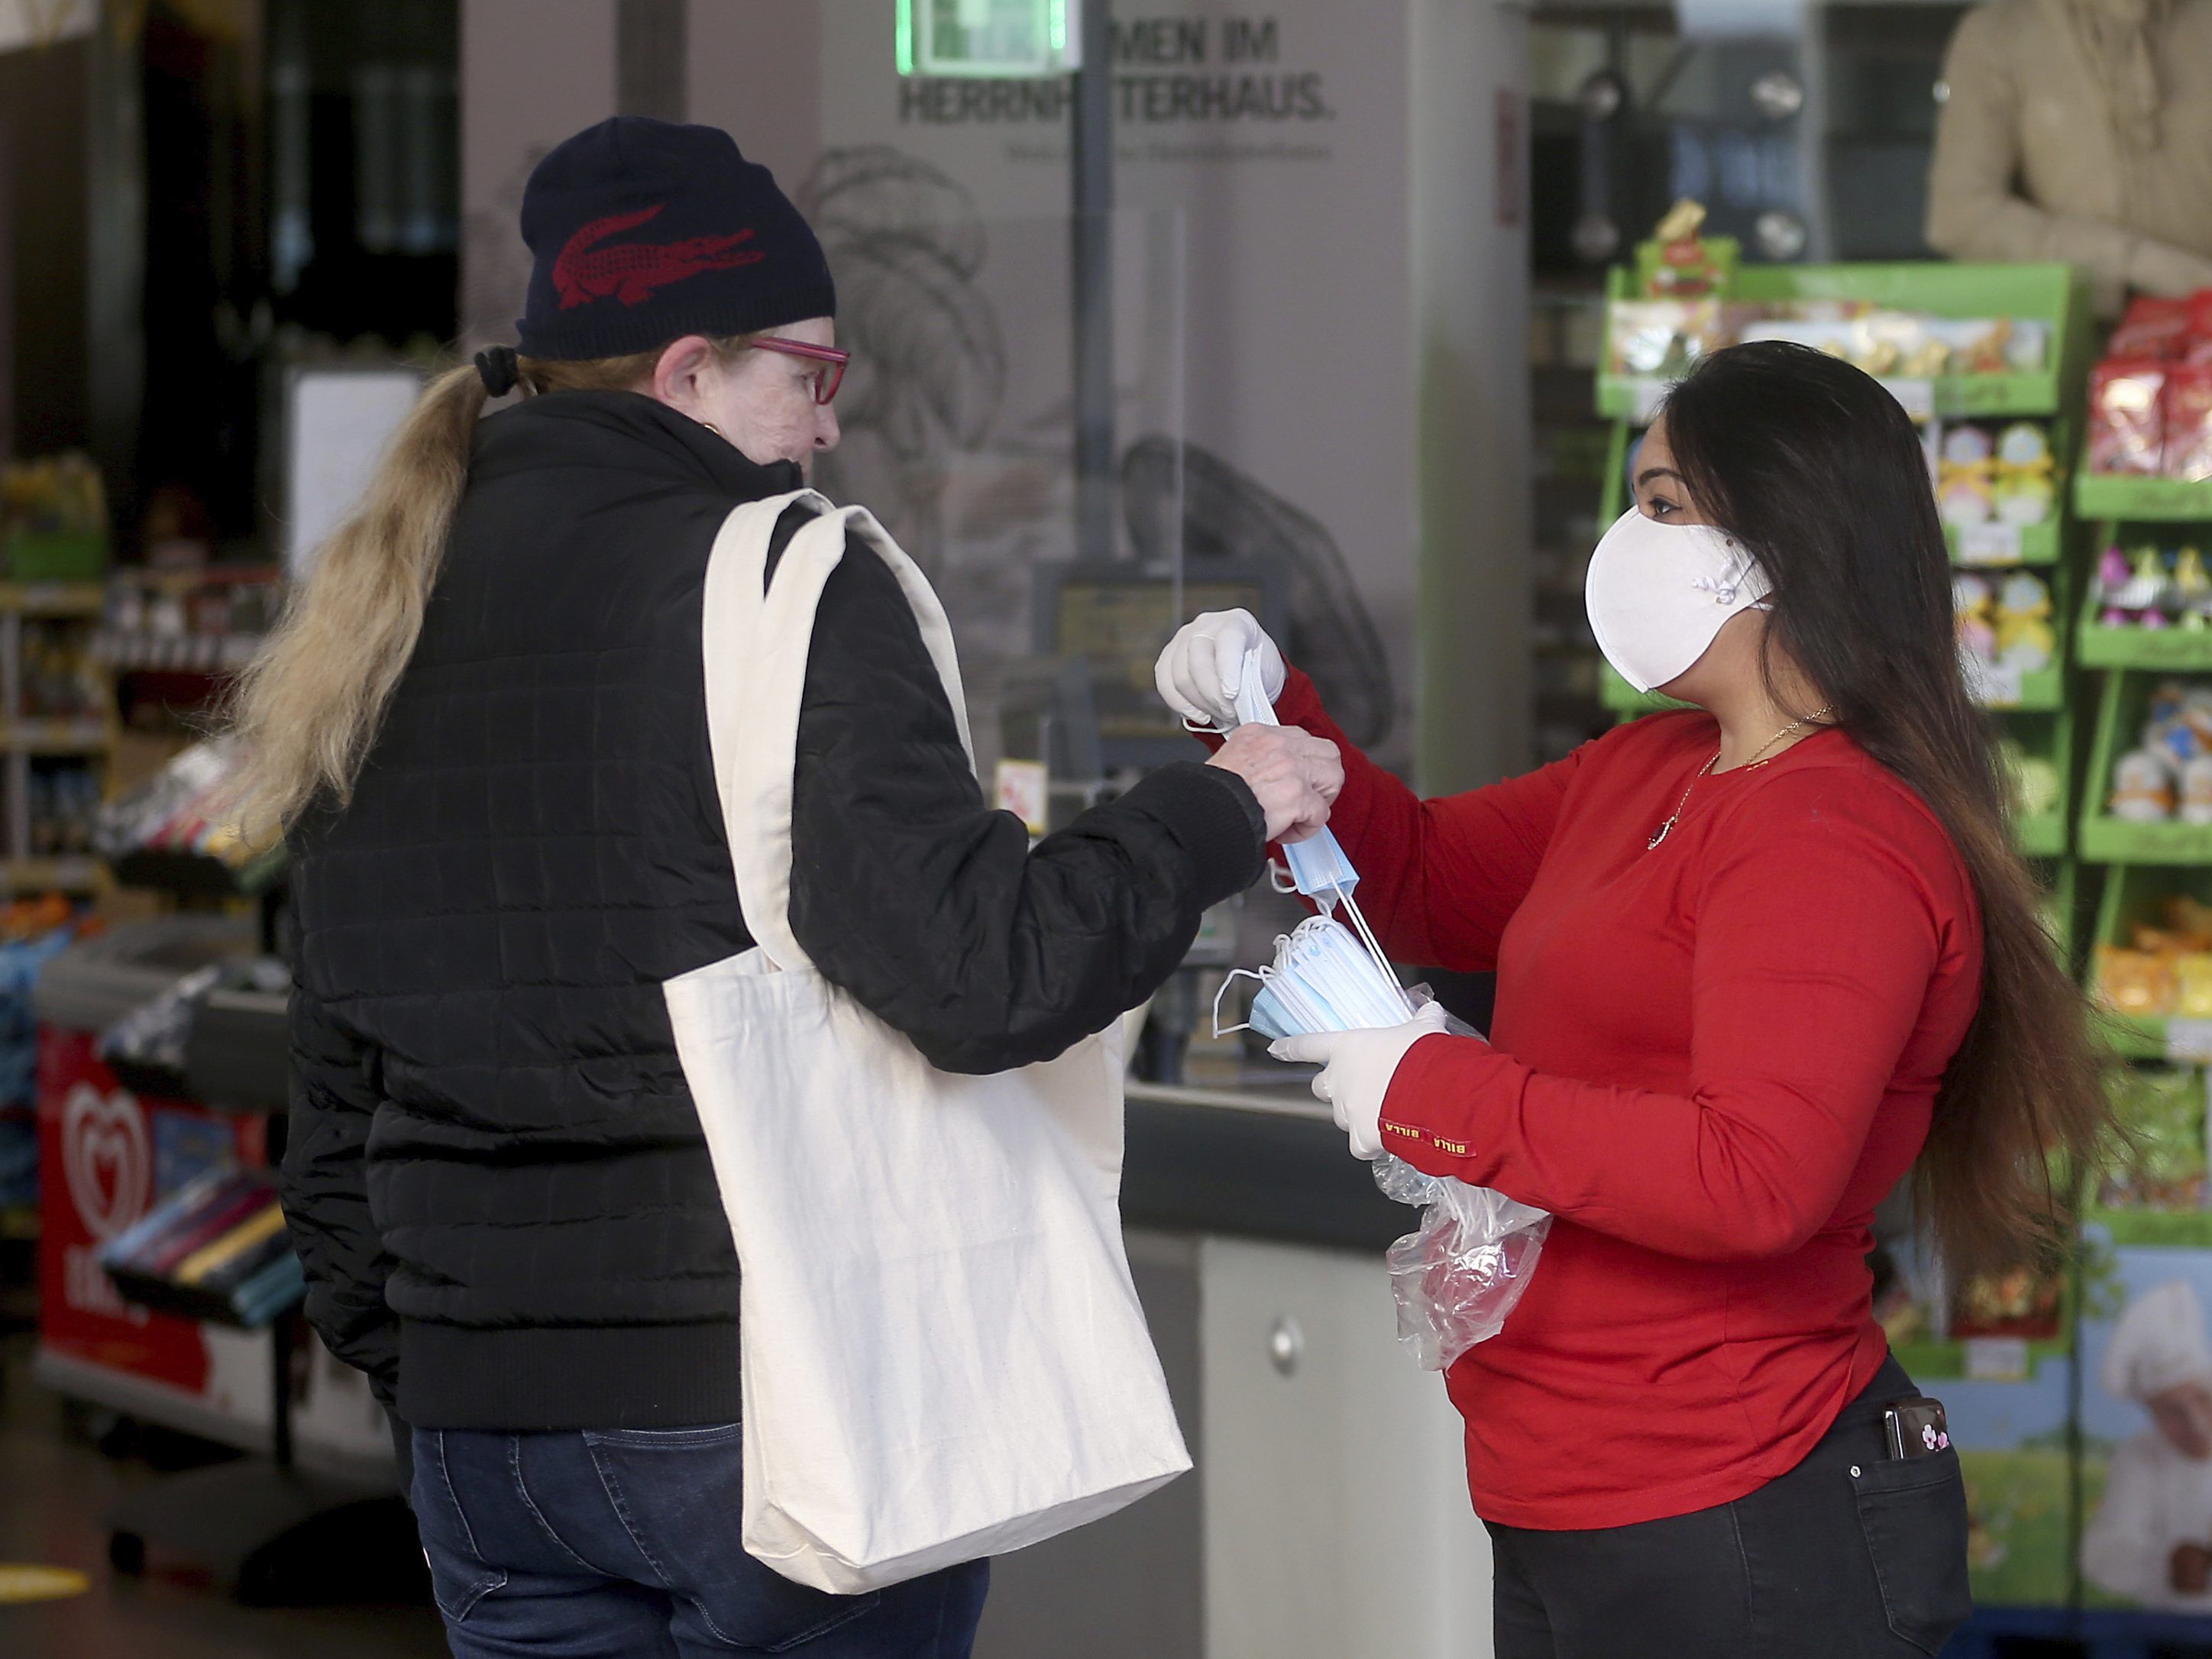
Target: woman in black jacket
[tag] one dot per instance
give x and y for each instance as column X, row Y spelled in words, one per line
column 483, row 725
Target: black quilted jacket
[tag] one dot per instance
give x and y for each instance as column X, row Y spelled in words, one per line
column 495, row 1175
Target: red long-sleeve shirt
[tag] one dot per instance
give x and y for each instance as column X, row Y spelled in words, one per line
column 1710, row 1061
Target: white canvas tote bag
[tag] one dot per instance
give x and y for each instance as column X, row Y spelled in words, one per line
column 944, row 1356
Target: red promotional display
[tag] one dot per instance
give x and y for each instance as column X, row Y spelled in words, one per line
column 104, row 1149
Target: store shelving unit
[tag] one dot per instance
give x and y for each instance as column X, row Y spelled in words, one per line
column 89, row 738
column 2142, row 863
column 2049, row 293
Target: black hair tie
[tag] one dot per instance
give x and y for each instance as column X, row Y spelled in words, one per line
column 499, row 369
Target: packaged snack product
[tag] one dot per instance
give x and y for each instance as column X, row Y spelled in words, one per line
column 2143, row 599
column 2034, row 780
column 2126, row 426
column 1687, row 264
column 2196, row 790
column 2025, row 639
column 2143, row 787
column 2135, row 982
column 2192, row 591
column 1666, row 337
column 2186, row 450
column 2161, row 1163
column 2025, row 484
column 2111, row 581
column 1966, row 477
column 2152, row 328
column 1973, row 603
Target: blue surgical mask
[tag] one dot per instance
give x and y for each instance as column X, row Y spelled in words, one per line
column 1323, row 979
column 1326, row 976
column 1318, row 868
column 1269, row 1018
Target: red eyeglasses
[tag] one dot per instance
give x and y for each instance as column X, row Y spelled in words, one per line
column 827, row 378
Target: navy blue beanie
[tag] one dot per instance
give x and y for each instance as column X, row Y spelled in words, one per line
column 642, row 231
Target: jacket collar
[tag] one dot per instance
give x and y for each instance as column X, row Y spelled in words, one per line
column 626, row 431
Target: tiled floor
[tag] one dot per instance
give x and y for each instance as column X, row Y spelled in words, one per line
column 53, row 1490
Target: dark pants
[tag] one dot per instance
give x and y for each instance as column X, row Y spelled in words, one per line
column 1851, row 1555
column 626, row 1543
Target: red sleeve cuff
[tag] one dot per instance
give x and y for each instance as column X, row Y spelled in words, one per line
column 1300, row 703
column 1433, row 1112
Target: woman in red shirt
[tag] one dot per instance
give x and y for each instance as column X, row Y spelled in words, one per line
column 1753, row 963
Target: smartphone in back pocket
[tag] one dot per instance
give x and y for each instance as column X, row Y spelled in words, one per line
column 1917, row 1428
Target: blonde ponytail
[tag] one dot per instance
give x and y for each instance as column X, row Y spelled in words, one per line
column 309, row 705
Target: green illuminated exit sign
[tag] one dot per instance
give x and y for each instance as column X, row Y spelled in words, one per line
column 989, row 38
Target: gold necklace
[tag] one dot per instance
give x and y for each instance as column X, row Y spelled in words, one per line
column 1753, row 764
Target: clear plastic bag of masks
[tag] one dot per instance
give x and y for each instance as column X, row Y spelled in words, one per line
column 1462, row 1271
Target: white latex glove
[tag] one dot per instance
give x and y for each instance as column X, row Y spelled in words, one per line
column 1202, row 670
column 1357, row 1067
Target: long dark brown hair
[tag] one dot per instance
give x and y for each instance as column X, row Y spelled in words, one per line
column 1817, row 469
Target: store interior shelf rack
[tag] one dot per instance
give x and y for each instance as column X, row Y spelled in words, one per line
column 2143, row 863
column 82, row 740
column 2047, row 293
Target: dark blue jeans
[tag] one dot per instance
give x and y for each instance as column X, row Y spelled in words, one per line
column 626, row 1542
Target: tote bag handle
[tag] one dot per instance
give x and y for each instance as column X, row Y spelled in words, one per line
column 758, row 637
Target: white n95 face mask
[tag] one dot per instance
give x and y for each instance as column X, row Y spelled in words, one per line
column 1657, row 593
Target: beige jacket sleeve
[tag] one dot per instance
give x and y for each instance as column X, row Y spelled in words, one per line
column 1975, row 211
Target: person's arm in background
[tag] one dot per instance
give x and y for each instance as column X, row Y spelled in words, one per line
column 909, row 892
column 323, row 1187
column 1975, row 211
column 1814, row 947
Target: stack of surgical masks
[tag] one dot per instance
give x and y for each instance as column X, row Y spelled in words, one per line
column 1462, row 1270
column 1322, row 979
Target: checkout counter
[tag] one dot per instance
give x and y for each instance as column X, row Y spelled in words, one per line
column 1326, row 1517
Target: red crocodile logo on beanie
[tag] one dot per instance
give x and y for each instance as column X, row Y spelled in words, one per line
column 629, row 272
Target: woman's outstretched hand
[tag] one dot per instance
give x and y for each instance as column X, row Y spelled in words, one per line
column 1202, row 670
column 1294, row 775
column 1357, row 1067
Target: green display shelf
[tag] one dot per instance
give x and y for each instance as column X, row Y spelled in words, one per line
column 2045, row 689
column 2174, row 650
column 2004, row 544
column 2134, row 1036
column 2115, row 841
column 2133, row 896
column 2182, row 1229
column 1949, row 396
column 2042, row 836
column 2103, row 839
column 1622, row 698
column 2102, row 495
column 2050, row 293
